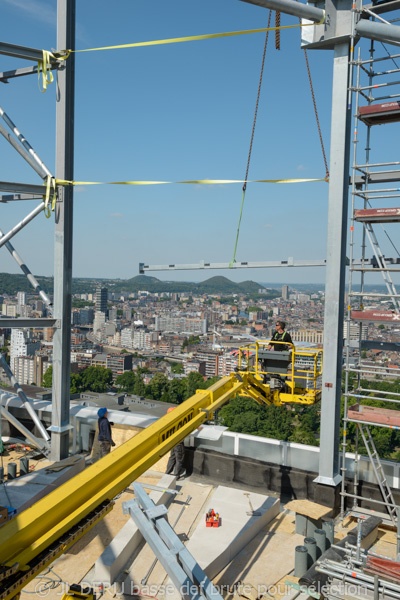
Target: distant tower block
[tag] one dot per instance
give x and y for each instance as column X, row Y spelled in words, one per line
column 101, row 300
column 285, row 292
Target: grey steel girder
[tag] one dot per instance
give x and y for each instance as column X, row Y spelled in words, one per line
column 23, row 52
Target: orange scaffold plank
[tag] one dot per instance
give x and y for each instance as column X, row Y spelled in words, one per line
column 373, row 414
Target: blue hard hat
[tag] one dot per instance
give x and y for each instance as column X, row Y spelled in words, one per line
column 102, row 412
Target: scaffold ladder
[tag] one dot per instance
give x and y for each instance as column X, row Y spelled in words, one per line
column 379, row 472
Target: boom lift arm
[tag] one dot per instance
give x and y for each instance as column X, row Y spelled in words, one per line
column 34, row 538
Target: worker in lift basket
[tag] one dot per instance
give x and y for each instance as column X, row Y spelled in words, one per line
column 104, row 437
column 176, row 458
column 280, row 335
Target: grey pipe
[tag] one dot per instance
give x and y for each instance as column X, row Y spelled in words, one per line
column 22, row 223
column 292, row 8
column 21, row 150
column 311, row 545
column 11, row 471
column 320, row 538
column 300, row 561
column 26, row 402
column 378, row 31
column 31, row 278
column 24, row 142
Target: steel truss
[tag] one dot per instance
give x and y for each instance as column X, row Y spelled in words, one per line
column 61, row 311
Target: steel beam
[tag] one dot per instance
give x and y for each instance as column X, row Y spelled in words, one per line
column 21, row 323
column 63, row 232
column 6, row 75
column 168, row 536
column 378, row 31
column 22, row 52
column 22, row 188
column 329, row 472
column 290, row 7
column 375, row 178
column 290, row 262
column 17, row 197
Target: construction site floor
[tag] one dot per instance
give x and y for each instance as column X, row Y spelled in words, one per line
column 262, row 567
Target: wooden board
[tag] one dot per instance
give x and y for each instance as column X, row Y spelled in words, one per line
column 308, row 509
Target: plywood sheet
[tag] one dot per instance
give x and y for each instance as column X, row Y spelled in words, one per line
column 308, row 508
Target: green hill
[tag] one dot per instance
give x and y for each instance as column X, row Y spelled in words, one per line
column 219, row 285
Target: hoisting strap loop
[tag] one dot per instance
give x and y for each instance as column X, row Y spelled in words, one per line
column 44, row 68
column 51, row 183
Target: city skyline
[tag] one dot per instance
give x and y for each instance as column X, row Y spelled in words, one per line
column 171, row 113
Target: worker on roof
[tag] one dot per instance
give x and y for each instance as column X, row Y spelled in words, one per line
column 104, row 436
column 176, row 458
column 280, row 335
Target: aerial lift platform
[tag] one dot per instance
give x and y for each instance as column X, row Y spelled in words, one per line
column 35, row 538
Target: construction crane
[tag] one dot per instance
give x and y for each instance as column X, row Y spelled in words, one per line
column 33, row 539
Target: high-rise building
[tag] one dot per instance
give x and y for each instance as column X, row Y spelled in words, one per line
column 285, row 292
column 99, row 320
column 22, row 344
column 101, row 300
column 24, row 369
column 21, row 302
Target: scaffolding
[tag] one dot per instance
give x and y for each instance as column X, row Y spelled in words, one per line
column 377, row 92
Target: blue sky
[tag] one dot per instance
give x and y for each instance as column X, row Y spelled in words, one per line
column 174, row 112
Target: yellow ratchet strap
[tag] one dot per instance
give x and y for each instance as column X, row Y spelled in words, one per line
column 48, row 208
column 192, row 38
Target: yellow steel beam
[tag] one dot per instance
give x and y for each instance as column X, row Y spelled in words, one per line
column 35, row 529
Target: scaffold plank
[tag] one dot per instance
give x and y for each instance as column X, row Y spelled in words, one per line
column 374, row 414
column 378, row 114
column 375, row 315
column 377, row 215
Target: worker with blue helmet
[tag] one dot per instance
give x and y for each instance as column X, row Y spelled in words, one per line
column 104, row 437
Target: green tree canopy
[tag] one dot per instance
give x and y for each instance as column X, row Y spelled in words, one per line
column 96, row 379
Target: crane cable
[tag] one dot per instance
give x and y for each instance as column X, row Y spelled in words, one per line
column 316, row 114
column 251, row 141
column 277, row 46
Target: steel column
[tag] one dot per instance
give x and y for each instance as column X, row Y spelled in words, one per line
column 63, row 233
column 329, row 473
